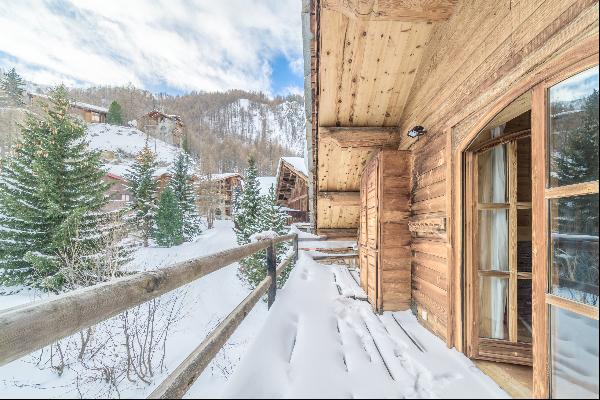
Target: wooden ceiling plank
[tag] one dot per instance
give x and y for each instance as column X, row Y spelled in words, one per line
column 393, row 10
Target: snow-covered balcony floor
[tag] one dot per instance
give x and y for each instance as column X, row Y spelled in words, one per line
column 317, row 343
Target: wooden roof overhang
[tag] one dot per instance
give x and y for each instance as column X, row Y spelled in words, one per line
column 287, row 178
column 364, row 59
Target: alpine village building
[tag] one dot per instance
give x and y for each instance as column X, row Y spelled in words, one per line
column 457, row 142
column 292, row 188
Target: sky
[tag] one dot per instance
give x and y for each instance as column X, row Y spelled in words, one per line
column 170, row 46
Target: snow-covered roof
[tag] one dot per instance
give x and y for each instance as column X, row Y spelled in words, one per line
column 77, row 104
column 296, row 163
column 220, row 177
column 265, row 183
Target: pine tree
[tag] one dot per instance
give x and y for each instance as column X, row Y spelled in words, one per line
column 181, row 185
column 51, row 199
column 12, row 88
column 246, row 218
column 253, row 268
column 273, row 218
column 115, row 114
column 143, row 187
column 169, row 220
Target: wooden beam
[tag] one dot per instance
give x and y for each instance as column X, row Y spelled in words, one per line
column 338, row 233
column 345, row 199
column 393, row 10
column 361, row 136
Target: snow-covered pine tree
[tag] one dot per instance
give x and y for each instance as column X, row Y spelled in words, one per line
column 273, row 218
column 12, row 88
column 51, row 199
column 169, row 220
column 115, row 114
column 143, row 186
column 183, row 189
column 247, row 223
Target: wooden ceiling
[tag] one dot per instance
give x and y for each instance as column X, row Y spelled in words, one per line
column 367, row 68
column 369, row 53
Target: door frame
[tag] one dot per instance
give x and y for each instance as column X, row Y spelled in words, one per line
column 584, row 52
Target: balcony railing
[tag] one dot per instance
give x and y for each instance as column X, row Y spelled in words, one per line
column 27, row 328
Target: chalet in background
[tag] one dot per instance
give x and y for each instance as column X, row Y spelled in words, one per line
column 88, row 112
column 166, row 127
column 217, row 190
column 118, row 193
column 457, row 141
column 292, row 187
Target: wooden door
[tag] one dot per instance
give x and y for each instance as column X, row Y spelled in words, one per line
column 369, row 230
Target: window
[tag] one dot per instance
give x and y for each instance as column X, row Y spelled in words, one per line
column 572, row 205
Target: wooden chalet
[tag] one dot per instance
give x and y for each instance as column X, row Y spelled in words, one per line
column 118, row 192
column 292, row 187
column 88, row 112
column 167, row 127
column 457, row 142
column 217, row 192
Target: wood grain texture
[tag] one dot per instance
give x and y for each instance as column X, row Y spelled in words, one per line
column 361, row 136
column 393, row 10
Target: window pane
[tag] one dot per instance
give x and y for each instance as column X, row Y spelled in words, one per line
column 524, row 310
column 493, row 240
column 574, row 355
column 574, row 227
column 573, row 129
column 492, row 175
column 524, row 170
column 493, row 307
column 524, row 240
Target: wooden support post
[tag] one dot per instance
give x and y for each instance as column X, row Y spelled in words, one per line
column 272, row 272
column 295, row 241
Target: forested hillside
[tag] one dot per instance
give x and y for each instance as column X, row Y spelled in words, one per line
column 222, row 128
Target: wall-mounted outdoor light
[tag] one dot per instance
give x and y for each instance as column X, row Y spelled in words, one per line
column 416, row 131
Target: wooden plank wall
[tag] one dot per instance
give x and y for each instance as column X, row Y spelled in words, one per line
column 395, row 239
column 486, row 49
column 429, row 237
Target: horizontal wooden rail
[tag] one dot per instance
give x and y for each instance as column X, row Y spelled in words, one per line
column 28, row 328
column 179, row 382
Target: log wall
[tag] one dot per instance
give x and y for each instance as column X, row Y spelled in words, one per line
column 484, row 50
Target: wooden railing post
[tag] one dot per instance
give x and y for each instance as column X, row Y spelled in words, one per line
column 272, row 272
column 295, row 241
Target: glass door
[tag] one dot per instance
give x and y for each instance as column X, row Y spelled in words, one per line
column 566, row 235
column 502, row 248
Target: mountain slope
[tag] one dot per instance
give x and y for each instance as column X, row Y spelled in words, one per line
column 222, row 128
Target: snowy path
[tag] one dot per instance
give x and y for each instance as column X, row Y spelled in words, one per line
column 320, row 342
column 207, row 302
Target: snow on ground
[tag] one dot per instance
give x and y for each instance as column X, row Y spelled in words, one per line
column 265, row 183
column 318, row 343
column 208, row 301
column 125, row 142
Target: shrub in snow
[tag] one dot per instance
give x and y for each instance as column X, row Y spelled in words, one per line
column 169, row 222
column 141, row 182
column 51, row 199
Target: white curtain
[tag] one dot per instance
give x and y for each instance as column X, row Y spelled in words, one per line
column 494, row 246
